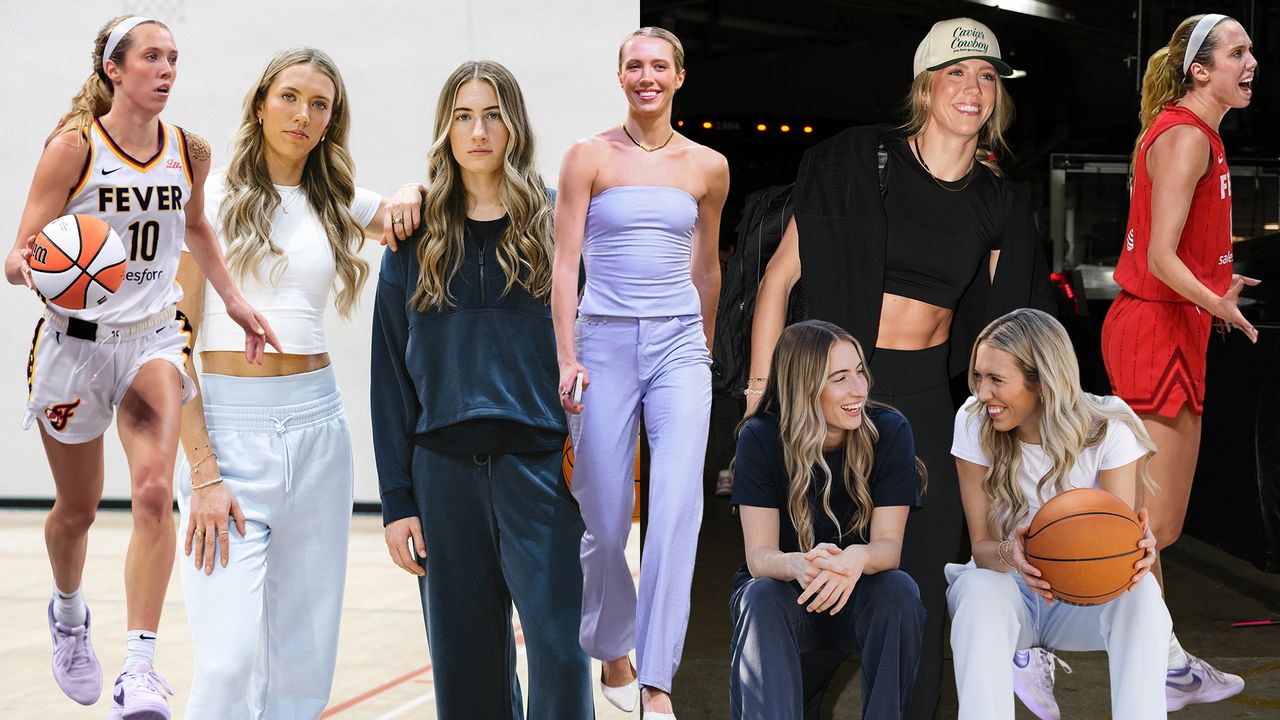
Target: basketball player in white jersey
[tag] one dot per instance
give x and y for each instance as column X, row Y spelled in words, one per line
column 111, row 156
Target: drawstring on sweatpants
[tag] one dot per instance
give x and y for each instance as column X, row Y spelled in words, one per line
column 282, row 426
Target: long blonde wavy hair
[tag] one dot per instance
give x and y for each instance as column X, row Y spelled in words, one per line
column 1164, row 82
column 526, row 247
column 95, row 95
column 797, row 374
column 328, row 184
column 1071, row 419
column 991, row 142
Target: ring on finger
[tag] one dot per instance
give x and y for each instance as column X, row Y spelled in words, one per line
column 224, row 532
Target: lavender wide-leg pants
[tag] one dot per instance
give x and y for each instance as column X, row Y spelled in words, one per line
column 661, row 364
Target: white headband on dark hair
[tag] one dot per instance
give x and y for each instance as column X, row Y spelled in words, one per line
column 121, row 29
column 1203, row 28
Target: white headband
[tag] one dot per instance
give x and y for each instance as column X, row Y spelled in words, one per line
column 1203, row 28
column 121, row 29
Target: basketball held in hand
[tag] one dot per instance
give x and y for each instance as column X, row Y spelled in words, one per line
column 77, row 262
column 1084, row 542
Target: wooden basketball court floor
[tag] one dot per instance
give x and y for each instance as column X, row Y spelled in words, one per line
column 384, row 670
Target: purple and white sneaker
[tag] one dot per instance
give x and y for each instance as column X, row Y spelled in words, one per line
column 75, row 667
column 1199, row 682
column 140, row 695
column 1033, row 684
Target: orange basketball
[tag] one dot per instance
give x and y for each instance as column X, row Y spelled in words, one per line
column 77, row 262
column 1084, row 542
column 566, row 464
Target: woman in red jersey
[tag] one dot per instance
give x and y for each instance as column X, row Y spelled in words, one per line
column 1175, row 275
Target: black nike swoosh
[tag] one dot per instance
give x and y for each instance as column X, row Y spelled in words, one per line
column 108, row 172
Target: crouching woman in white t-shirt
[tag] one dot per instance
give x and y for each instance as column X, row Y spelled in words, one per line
column 1028, row 434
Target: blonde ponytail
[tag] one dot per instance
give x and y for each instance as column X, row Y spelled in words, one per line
column 1164, row 81
column 94, row 98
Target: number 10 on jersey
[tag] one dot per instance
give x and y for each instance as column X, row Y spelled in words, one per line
column 144, row 240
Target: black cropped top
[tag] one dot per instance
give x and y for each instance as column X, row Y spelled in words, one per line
column 938, row 237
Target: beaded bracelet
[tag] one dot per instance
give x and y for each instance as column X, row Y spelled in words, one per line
column 207, row 483
column 752, row 391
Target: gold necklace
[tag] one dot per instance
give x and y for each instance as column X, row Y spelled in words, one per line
column 645, row 147
column 968, row 175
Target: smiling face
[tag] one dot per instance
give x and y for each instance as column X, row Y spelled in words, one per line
column 648, row 74
column 1010, row 402
column 296, row 112
column 844, row 393
column 149, row 68
column 1229, row 81
column 962, row 97
column 477, row 133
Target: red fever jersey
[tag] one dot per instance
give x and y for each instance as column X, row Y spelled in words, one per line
column 1205, row 245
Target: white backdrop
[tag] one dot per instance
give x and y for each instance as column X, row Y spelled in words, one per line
column 394, row 56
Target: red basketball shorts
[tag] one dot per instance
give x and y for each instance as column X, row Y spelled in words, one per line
column 1155, row 354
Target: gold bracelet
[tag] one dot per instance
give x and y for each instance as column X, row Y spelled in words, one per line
column 758, row 379
column 208, row 483
column 201, row 462
column 1000, row 552
column 752, row 391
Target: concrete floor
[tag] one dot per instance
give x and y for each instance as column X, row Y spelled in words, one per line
column 1209, row 589
column 383, row 668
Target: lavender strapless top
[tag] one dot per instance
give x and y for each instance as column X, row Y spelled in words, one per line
column 636, row 248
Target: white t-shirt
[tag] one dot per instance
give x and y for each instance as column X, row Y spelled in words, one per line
column 294, row 300
column 1119, row 448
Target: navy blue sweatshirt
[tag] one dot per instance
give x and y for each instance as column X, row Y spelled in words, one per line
column 485, row 366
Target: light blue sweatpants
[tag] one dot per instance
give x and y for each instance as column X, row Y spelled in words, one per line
column 264, row 629
column 662, row 365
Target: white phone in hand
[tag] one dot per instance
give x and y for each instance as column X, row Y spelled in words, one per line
column 577, row 390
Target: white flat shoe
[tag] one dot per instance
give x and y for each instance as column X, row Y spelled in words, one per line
column 623, row 697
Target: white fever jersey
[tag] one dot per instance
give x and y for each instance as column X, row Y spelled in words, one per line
column 143, row 201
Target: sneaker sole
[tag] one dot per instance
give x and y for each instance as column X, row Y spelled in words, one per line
column 146, row 714
column 1200, row 699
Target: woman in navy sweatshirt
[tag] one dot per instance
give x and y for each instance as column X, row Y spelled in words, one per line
column 467, row 436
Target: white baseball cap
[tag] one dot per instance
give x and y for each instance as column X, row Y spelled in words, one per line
column 951, row 41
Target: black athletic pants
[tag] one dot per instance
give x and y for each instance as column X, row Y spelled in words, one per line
column 916, row 383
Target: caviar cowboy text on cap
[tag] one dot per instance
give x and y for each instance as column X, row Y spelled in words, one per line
column 951, row 41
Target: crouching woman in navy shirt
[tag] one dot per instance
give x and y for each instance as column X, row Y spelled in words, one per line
column 823, row 481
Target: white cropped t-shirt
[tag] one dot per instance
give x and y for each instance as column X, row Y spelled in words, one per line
column 292, row 298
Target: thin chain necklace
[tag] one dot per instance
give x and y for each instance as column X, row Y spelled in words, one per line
column 294, row 191
column 968, row 175
column 645, row 147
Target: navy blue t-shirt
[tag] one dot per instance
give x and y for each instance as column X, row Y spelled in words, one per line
column 760, row 477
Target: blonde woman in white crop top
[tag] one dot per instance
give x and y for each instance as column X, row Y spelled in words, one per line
column 265, row 495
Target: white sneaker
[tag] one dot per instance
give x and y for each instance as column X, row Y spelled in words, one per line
column 1198, row 682
column 140, row 695
column 1033, row 684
